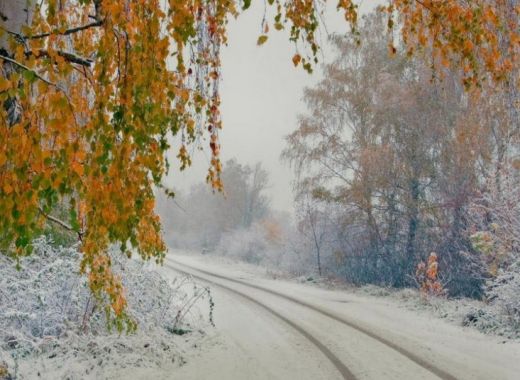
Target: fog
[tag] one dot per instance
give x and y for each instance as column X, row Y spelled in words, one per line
column 386, row 173
column 261, row 94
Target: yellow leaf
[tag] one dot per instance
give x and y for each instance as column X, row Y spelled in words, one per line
column 261, row 40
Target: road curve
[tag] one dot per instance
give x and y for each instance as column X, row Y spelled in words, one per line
column 346, row 373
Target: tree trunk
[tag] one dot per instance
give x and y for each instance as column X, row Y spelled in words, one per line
column 14, row 15
column 317, row 243
column 413, row 219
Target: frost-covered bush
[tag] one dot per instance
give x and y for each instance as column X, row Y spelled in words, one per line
column 496, row 219
column 43, row 298
column 46, row 307
column 504, row 292
column 247, row 244
column 266, row 243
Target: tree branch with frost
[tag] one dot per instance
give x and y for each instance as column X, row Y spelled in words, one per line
column 61, row 223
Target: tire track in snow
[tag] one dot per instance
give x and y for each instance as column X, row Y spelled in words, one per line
column 403, row 351
column 338, row 364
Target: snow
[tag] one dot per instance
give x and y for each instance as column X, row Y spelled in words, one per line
column 462, row 351
column 498, row 317
column 44, row 332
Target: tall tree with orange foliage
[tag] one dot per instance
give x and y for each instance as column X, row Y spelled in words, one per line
column 91, row 89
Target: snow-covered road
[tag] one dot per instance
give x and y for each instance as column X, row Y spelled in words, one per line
column 272, row 329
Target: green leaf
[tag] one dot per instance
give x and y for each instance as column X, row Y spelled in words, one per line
column 74, row 220
column 29, row 76
column 15, row 213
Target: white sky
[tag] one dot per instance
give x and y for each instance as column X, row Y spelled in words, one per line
column 261, row 94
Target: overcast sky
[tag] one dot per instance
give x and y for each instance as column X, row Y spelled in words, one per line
column 261, row 98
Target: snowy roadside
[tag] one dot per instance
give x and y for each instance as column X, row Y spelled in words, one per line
column 462, row 352
column 464, row 312
column 51, row 328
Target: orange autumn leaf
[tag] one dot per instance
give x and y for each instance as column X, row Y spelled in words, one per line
column 77, row 168
column 296, row 59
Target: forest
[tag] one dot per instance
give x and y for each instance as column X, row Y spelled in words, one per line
column 392, row 164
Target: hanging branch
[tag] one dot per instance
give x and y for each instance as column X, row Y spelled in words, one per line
column 61, row 223
column 68, row 31
column 22, row 66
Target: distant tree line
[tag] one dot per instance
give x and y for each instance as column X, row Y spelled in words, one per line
column 199, row 218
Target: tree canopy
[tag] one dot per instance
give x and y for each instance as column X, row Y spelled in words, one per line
column 92, row 90
column 402, row 165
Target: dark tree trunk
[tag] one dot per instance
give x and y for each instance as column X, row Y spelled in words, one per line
column 413, row 219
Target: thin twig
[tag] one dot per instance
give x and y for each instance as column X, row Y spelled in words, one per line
column 70, row 57
column 59, row 88
column 61, row 224
column 22, row 66
column 55, row 220
column 68, row 31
